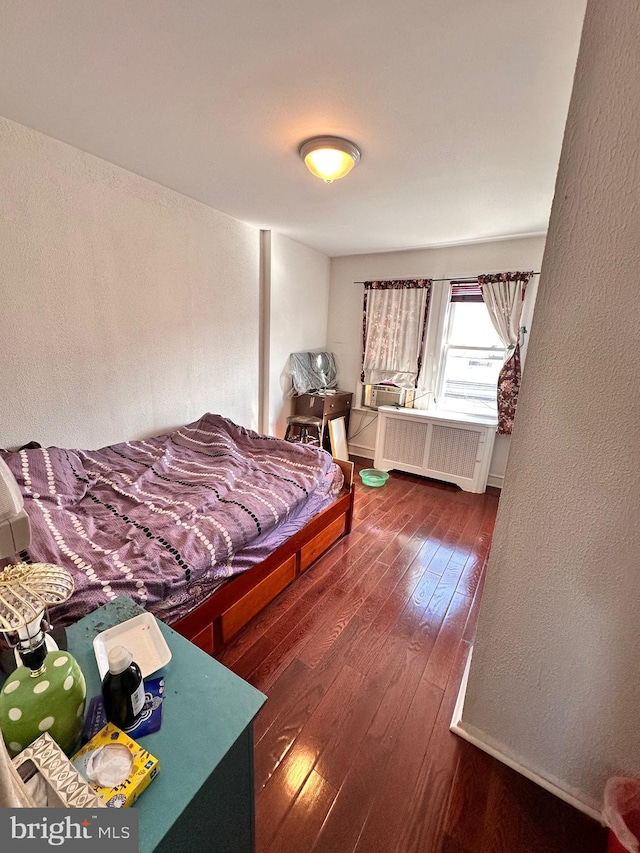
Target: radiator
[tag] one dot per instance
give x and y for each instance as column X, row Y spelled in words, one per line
column 439, row 446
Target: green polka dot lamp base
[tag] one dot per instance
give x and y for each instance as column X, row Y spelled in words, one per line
column 53, row 702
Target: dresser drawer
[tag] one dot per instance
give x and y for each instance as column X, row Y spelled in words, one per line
column 319, row 544
column 321, row 405
column 255, row 600
column 339, row 403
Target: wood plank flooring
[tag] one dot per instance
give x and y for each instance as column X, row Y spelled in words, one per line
column 361, row 660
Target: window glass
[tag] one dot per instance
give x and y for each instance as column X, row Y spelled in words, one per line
column 472, row 358
column 471, row 326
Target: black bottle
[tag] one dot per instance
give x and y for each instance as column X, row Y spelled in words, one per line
column 122, row 689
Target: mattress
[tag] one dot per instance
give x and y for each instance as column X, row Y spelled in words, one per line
column 167, row 519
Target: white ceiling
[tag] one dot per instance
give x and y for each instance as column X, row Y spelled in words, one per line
column 458, row 105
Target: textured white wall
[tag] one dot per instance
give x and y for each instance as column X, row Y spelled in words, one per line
column 554, row 677
column 126, row 308
column 345, row 307
column 298, row 310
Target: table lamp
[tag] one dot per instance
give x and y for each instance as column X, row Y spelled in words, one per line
column 47, row 692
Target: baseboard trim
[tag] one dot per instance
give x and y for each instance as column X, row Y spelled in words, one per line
column 462, row 692
column 497, row 750
column 361, row 450
column 496, row 480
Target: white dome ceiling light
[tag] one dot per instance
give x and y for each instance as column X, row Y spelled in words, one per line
column 329, row 157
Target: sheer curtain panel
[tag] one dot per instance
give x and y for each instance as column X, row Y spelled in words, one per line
column 394, row 328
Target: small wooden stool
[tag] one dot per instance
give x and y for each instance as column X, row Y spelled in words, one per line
column 304, row 429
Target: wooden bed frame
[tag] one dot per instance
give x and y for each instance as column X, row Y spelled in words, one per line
column 212, row 623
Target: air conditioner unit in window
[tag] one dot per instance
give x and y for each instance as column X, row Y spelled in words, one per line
column 374, row 396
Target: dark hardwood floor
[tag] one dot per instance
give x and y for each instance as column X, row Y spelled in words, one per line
column 362, row 659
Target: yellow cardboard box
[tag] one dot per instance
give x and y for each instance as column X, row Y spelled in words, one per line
column 144, row 766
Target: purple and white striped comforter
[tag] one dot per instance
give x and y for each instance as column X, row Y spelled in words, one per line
column 167, row 519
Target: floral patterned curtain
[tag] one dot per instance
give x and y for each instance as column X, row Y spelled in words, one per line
column 503, row 294
column 393, row 330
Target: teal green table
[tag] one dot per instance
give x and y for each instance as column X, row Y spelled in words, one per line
column 202, row 799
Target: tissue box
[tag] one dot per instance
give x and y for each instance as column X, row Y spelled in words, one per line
column 64, row 786
column 144, row 769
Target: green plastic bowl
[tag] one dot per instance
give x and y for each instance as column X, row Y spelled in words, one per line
column 373, row 477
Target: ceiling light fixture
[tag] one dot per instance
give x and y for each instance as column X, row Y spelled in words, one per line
column 329, row 157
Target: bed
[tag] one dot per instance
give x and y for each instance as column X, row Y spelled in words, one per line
column 203, row 526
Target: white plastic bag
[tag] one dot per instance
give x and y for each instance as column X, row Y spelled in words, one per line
column 622, row 806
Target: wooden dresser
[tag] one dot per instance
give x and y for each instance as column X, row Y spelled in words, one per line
column 326, row 405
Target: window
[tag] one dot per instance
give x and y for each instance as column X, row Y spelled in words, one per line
column 472, row 354
column 461, row 354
